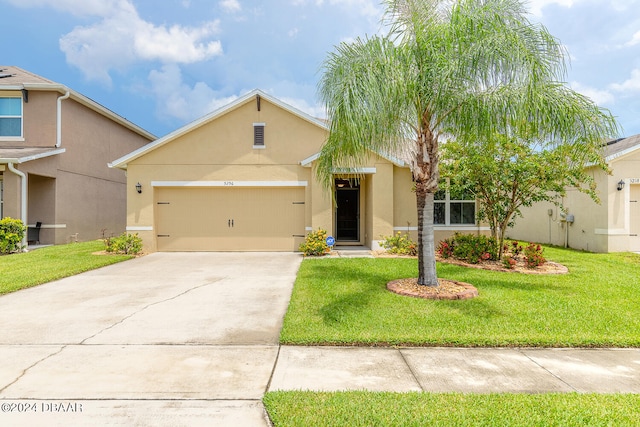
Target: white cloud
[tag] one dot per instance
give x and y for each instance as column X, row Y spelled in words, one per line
column 631, row 85
column 599, row 96
column 176, row 44
column 230, row 5
column 536, row 6
column 635, row 39
column 121, row 38
column 177, row 100
column 318, row 111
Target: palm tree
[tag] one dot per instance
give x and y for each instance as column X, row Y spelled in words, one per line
column 447, row 68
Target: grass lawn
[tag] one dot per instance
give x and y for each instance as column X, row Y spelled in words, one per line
column 451, row 409
column 23, row 270
column 344, row 301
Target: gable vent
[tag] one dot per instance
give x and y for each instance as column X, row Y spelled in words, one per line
column 258, row 134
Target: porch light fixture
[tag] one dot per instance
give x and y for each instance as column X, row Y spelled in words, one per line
column 620, row 185
column 139, row 188
column 342, row 183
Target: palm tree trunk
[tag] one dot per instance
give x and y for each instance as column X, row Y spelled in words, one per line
column 426, row 246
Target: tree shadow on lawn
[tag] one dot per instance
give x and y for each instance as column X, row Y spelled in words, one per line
column 362, row 285
column 366, row 283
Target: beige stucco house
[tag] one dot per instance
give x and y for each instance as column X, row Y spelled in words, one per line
column 242, row 178
column 611, row 226
column 54, row 148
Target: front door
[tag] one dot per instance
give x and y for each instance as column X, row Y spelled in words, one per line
column 347, row 210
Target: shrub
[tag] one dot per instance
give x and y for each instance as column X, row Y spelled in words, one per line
column 469, row 247
column 130, row 244
column 445, row 248
column 400, row 244
column 508, row 261
column 533, row 255
column 11, row 235
column 515, row 249
column 315, row 243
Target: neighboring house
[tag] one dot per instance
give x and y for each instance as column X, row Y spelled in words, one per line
column 242, row 178
column 611, row 226
column 54, row 148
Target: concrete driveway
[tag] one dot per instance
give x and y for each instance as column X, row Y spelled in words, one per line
column 165, row 339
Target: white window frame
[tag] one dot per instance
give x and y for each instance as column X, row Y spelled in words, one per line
column 21, row 117
column 447, row 209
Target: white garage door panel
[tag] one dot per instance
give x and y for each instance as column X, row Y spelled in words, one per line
column 229, row 219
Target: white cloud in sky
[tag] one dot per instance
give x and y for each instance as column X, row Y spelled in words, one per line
column 629, row 86
column 177, row 43
column 536, row 6
column 231, row 5
column 635, row 39
column 121, row 37
column 599, row 96
column 178, row 100
column 318, row 110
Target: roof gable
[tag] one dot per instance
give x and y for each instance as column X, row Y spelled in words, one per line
column 253, row 96
column 17, row 79
column 622, row 147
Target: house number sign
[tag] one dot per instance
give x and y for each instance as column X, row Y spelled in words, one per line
column 634, row 181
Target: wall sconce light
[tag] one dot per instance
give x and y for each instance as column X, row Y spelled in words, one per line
column 620, row 185
column 342, row 183
column 139, row 188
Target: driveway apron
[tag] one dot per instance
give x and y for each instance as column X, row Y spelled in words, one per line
column 165, row 339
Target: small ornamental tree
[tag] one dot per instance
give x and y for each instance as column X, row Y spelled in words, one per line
column 506, row 173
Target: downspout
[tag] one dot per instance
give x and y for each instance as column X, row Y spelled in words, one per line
column 59, row 119
column 23, row 198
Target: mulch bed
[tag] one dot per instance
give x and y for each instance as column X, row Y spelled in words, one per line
column 453, row 290
column 448, row 289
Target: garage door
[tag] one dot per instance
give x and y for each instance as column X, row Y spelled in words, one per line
column 230, row 219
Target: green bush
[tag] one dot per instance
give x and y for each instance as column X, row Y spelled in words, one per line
column 400, row 244
column 469, row 247
column 11, row 235
column 315, row 243
column 129, row 244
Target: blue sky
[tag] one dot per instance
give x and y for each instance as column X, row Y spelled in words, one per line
column 164, row 63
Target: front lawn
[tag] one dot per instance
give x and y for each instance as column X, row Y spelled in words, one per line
column 344, row 301
column 23, row 270
column 296, row 408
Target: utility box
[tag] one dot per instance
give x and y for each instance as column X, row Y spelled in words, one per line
column 570, row 218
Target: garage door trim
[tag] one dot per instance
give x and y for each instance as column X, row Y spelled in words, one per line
column 229, row 183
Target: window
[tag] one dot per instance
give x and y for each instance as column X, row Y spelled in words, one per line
column 1, row 197
column 10, row 117
column 258, row 135
column 453, row 206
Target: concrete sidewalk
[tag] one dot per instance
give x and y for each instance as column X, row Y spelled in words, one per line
column 473, row 370
column 192, row 339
